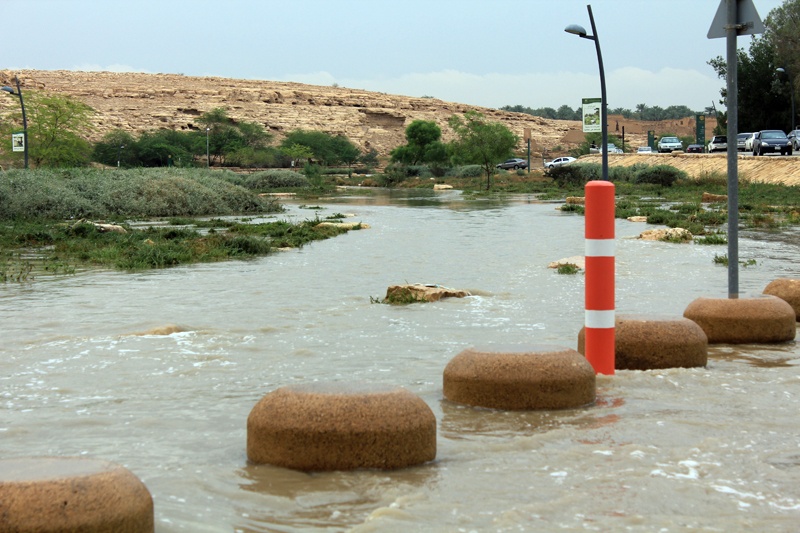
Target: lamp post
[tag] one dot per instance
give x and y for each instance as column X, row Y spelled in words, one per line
column 119, row 153
column 208, row 159
column 24, row 118
column 581, row 32
column 791, row 92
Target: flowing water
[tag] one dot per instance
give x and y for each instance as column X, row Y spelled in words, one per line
column 709, row 449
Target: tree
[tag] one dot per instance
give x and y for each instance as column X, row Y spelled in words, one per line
column 297, row 152
column 57, row 126
column 763, row 95
column 565, row 112
column 221, row 134
column 117, row 146
column 481, row 142
column 423, row 144
column 344, row 150
column 164, row 147
column 325, row 148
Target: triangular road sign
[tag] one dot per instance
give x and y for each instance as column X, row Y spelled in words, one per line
column 747, row 20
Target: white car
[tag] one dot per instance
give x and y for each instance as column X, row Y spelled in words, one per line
column 644, row 150
column 558, row 161
column 748, row 142
column 719, row 143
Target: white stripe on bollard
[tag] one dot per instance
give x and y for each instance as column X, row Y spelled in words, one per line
column 600, row 247
column 599, row 319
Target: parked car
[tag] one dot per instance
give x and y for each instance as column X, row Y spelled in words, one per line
column 669, row 144
column 748, row 143
column 794, row 138
column 558, row 161
column 612, row 149
column 771, row 141
column 644, row 150
column 695, row 149
column 515, row 163
column 719, row 143
column 741, row 141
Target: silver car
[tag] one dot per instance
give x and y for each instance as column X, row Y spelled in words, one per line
column 794, row 137
column 669, row 144
column 741, row 141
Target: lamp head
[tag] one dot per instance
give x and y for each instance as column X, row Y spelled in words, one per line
column 779, row 69
column 576, row 29
column 8, row 89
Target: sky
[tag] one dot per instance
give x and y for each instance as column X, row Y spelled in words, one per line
column 488, row 53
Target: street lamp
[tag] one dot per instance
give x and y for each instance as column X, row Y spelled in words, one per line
column 581, row 32
column 24, row 118
column 119, row 153
column 208, row 159
column 791, row 91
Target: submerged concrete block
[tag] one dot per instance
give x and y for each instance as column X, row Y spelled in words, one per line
column 763, row 319
column 65, row 494
column 648, row 342
column 520, row 378
column 335, row 426
column 788, row 290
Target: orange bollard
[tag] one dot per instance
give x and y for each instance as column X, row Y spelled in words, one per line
column 600, row 247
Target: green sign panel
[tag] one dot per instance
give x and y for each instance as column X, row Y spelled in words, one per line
column 700, row 133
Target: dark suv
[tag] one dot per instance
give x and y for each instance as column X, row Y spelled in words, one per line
column 771, row 141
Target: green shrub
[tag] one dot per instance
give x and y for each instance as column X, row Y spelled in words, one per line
column 313, row 174
column 573, row 208
column 276, row 179
column 663, row 217
column 575, row 174
column 394, row 174
column 465, row 171
column 124, row 193
column 663, row 175
column 620, row 174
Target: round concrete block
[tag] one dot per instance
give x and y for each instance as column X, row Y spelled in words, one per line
column 761, row 320
column 788, row 290
column 650, row 342
column 520, row 378
column 330, row 426
column 62, row 494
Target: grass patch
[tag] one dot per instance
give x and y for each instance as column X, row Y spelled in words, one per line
column 568, row 269
column 712, row 239
column 723, row 260
column 60, row 248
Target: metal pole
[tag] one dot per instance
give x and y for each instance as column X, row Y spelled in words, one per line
column 529, row 155
column 603, row 103
column 208, row 159
column 733, row 171
column 24, row 121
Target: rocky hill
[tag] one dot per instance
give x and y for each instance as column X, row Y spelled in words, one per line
column 137, row 102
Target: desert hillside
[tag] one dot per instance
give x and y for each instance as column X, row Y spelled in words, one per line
column 138, row 102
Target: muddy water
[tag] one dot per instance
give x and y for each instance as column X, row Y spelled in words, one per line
column 712, row 449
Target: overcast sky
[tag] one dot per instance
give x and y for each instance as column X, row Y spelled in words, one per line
column 481, row 52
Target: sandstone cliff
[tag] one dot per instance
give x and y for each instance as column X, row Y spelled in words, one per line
column 137, row 102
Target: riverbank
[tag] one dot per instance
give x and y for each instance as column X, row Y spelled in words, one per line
column 62, row 221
